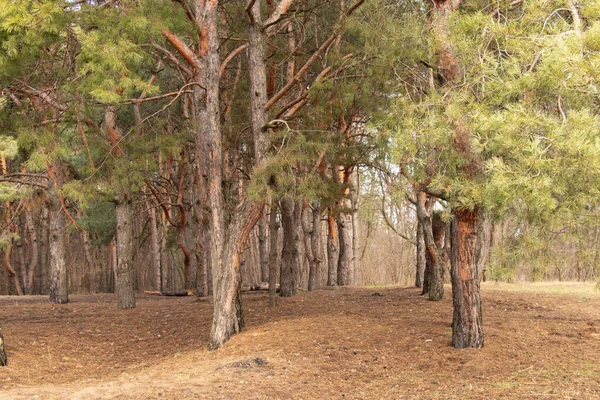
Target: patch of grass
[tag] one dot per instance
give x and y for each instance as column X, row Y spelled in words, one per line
column 506, row 384
column 587, row 291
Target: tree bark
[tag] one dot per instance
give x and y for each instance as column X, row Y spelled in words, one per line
column 58, row 268
column 298, row 235
column 306, row 223
column 470, row 246
column 262, row 250
column 354, row 201
column 3, row 358
column 288, row 253
column 155, row 249
column 44, row 248
column 438, row 261
column 344, row 272
column 332, row 249
column 92, row 271
column 34, row 251
column 273, row 251
column 434, row 252
column 421, row 260
column 315, row 241
column 125, row 248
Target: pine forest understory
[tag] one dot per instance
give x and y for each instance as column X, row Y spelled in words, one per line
column 238, row 158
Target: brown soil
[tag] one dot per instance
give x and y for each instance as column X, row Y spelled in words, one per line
column 340, row 344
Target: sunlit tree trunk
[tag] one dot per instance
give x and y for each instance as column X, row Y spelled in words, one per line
column 470, row 246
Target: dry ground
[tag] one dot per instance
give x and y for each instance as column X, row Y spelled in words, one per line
column 338, row 344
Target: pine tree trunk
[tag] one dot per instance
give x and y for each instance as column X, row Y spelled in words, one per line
column 58, row 268
column 10, row 271
column 344, row 272
column 3, row 358
column 421, row 259
column 306, row 222
column 434, row 252
column 298, row 248
column 262, row 250
column 44, row 249
column 155, row 250
column 92, row 270
column 288, row 253
column 31, row 230
column 112, row 274
column 332, row 250
column 225, row 257
column 315, row 241
column 437, row 260
column 208, row 255
column 470, row 247
column 273, row 251
column 354, row 198
column 125, row 287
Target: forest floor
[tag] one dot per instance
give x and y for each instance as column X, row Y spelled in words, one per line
column 541, row 342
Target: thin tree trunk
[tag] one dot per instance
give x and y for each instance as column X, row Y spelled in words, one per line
column 421, row 259
column 58, row 267
column 434, row 253
column 92, row 270
column 315, row 241
column 354, row 198
column 470, row 246
column 306, row 222
column 288, row 253
column 125, row 248
column 262, row 250
column 10, row 271
column 8, row 251
column 3, row 358
column 155, row 250
column 273, row 251
column 438, row 260
column 298, row 235
column 332, row 250
column 44, row 248
column 344, row 272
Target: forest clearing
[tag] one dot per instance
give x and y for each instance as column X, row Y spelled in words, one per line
column 386, row 169
column 542, row 342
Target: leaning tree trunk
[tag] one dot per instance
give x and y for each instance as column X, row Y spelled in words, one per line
column 58, row 268
column 125, row 247
column 288, row 253
column 470, row 247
